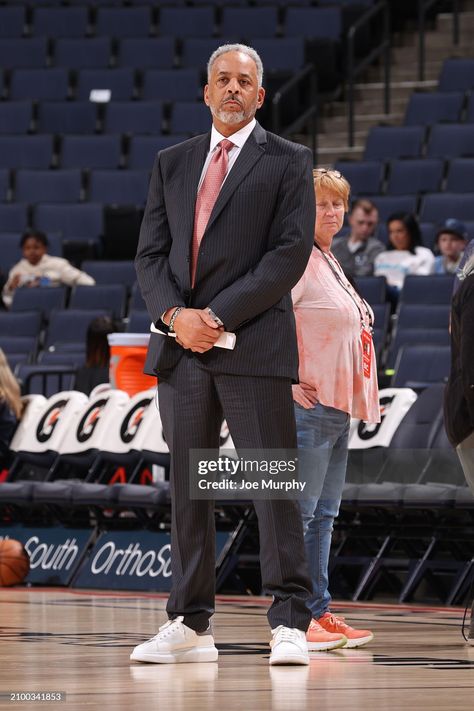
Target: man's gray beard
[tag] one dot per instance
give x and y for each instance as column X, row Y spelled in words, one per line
column 233, row 117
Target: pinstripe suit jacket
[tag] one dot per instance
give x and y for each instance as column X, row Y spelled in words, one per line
column 254, row 250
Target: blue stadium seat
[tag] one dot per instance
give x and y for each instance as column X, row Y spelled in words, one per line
column 373, row 289
column 143, row 149
column 147, row 53
column 34, row 186
column 4, row 183
column 112, row 187
column 73, row 222
column 15, row 116
column 67, row 117
column 111, row 272
column 39, row 84
column 60, row 22
column 365, row 178
column 27, row 323
column 42, row 300
column 470, row 109
column 321, row 22
column 431, row 290
column 415, row 176
column 26, row 151
column 137, row 302
column 26, row 345
column 134, row 117
column 89, row 152
column 451, row 141
column 111, row 297
column 236, row 21
column 187, row 22
column 427, row 109
column 171, row 84
column 120, row 82
column 282, row 54
column 414, row 336
column 438, row 207
column 70, row 325
column 22, row 53
column 13, row 218
column 190, row 117
column 195, row 51
column 10, row 252
column 12, row 21
column 74, row 53
column 460, row 175
column 138, row 322
column 456, row 75
column 74, row 358
column 388, row 204
column 428, row 233
column 421, row 365
column 123, row 22
column 387, row 142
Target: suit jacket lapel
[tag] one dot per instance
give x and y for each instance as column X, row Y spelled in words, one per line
column 251, row 152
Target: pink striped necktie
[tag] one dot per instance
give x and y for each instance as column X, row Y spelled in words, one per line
column 207, row 196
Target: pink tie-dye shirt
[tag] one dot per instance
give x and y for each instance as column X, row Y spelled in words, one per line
column 328, row 326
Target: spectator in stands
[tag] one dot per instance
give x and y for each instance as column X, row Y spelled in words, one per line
column 459, row 393
column 405, row 253
column 451, row 242
column 11, row 408
column 337, row 381
column 96, row 369
column 38, row 268
column 356, row 252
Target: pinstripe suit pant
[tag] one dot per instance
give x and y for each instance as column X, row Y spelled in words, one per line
column 260, row 414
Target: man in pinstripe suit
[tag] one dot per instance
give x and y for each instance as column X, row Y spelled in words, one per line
column 253, row 251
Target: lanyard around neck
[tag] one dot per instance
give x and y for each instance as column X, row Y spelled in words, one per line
column 347, row 290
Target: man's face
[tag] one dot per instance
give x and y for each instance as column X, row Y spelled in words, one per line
column 362, row 224
column 233, row 94
column 33, row 250
column 451, row 245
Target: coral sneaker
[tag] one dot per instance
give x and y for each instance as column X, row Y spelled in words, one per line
column 355, row 638
column 321, row 641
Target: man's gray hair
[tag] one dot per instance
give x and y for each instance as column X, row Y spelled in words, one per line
column 249, row 51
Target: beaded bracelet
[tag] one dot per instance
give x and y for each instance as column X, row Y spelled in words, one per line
column 173, row 318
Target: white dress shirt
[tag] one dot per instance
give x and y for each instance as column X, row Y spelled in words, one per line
column 238, row 139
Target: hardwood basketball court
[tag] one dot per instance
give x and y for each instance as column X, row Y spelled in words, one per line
column 78, row 642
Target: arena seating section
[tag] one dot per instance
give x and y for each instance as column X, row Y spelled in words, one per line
column 78, row 169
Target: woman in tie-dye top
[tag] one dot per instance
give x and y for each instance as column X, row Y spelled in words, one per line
column 337, row 381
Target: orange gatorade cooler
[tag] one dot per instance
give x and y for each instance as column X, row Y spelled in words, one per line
column 127, row 360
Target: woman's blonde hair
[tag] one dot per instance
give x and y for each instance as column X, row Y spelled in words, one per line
column 9, row 387
column 332, row 181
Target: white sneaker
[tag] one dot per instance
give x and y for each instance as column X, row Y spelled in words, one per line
column 175, row 643
column 289, row 646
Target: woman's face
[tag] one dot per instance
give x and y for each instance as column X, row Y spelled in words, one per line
column 398, row 235
column 329, row 217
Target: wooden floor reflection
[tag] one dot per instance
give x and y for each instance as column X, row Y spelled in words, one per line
column 79, row 643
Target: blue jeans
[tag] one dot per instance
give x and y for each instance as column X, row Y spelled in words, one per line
column 327, row 430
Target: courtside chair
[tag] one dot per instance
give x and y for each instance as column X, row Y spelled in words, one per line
column 421, row 365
